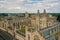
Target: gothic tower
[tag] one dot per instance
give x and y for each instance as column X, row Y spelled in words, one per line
column 33, row 34
column 26, row 14
column 38, row 13
column 37, row 20
column 44, row 19
column 44, row 11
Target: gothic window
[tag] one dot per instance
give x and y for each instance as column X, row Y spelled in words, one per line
column 56, row 37
column 46, row 33
column 18, row 25
column 3, row 24
column 36, row 38
column 55, row 29
column 28, row 37
column 52, row 30
column 47, row 38
column 58, row 28
column 13, row 24
column 52, row 38
column 49, row 24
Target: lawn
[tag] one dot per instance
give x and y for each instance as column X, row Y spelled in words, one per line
column 22, row 29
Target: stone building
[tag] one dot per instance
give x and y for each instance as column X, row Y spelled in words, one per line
column 37, row 27
column 42, row 27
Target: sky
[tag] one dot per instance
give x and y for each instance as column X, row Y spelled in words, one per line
column 31, row 6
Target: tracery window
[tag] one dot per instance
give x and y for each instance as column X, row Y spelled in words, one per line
column 28, row 37
column 36, row 38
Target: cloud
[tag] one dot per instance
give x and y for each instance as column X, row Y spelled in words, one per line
column 29, row 5
column 15, row 8
column 50, row 0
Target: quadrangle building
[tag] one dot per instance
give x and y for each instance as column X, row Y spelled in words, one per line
column 37, row 27
column 42, row 27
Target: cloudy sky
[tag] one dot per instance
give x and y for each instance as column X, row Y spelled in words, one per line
column 20, row 6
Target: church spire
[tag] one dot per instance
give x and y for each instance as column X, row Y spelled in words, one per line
column 37, row 20
column 26, row 14
column 44, row 11
column 38, row 13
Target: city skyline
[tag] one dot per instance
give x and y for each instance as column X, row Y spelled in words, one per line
column 20, row 6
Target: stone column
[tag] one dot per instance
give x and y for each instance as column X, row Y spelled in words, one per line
column 20, row 27
column 26, row 33
column 59, row 36
column 14, row 32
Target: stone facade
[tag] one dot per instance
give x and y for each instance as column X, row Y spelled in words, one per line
column 40, row 22
column 37, row 27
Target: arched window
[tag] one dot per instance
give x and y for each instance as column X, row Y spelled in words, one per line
column 36, row 37
column 28, row 37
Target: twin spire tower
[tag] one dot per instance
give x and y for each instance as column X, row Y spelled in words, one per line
column 37, row 17
column 38, row 13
